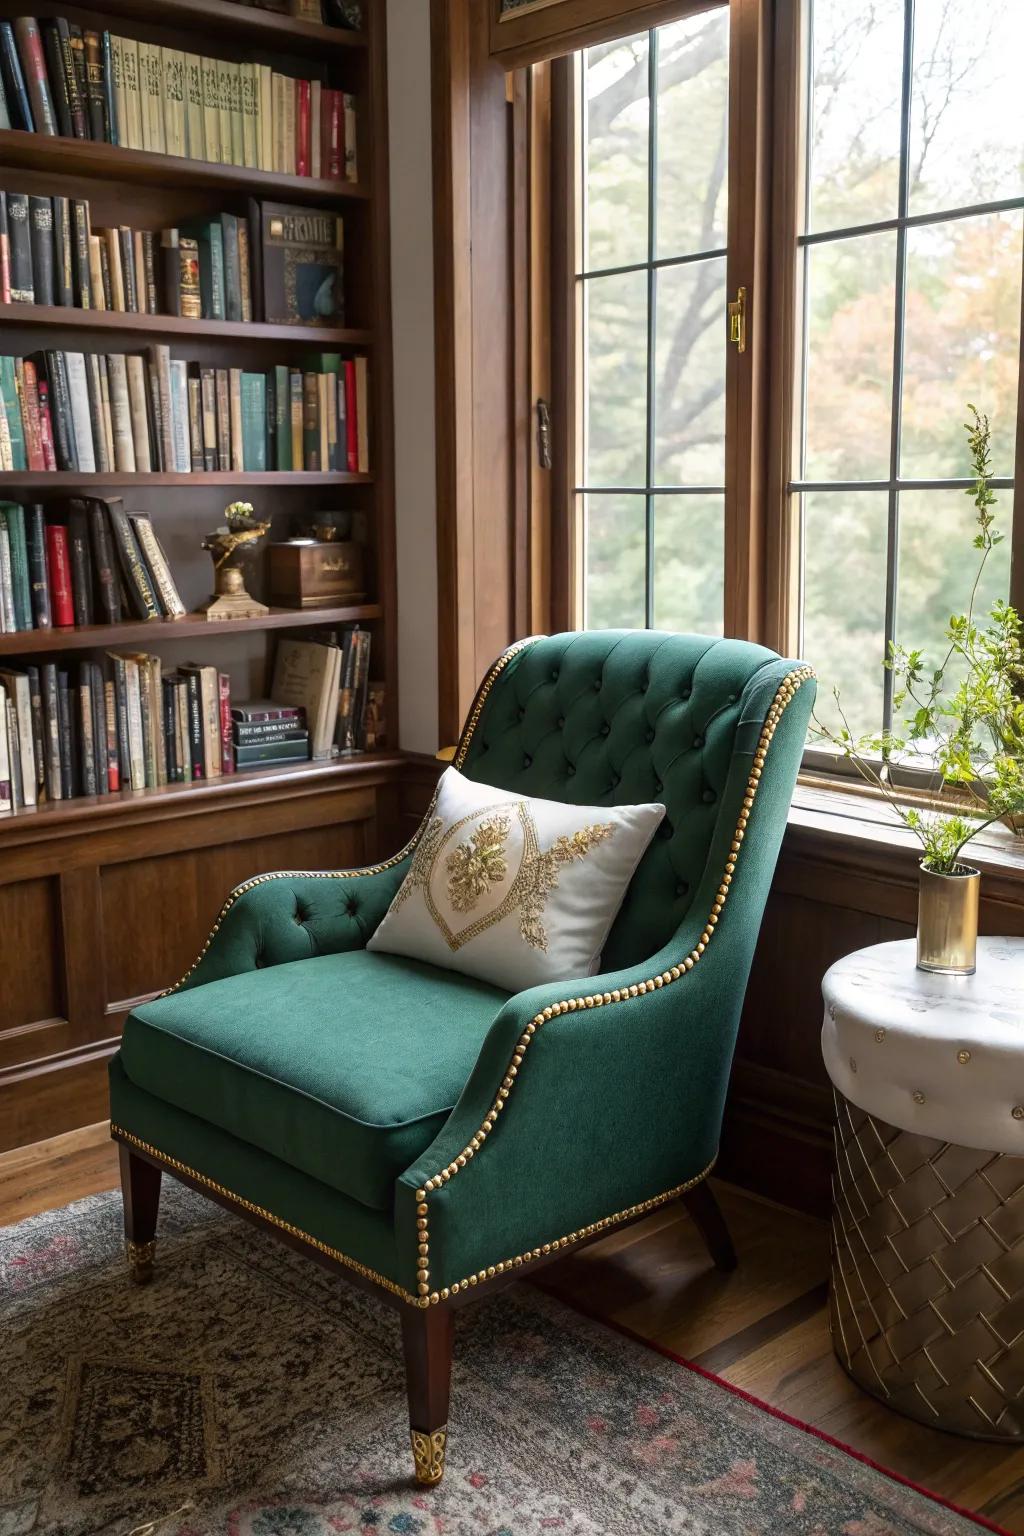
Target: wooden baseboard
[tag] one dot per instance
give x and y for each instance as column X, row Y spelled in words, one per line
column 777, row 1138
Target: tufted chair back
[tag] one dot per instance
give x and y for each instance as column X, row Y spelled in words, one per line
column 616, row 717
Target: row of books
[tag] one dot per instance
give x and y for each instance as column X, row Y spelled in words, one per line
column 279, row 263
column 126, row 724
column 86, row 562
column 335, row 13
column 57, row 78
column 93, row 412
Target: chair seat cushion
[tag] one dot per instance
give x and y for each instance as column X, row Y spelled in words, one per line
column 344, row 1066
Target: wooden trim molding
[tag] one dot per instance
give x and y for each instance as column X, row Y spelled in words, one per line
column 546, row 29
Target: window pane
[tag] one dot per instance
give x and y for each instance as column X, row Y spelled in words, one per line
column 854, row 128
column 616, row 137
column 962, row 341
column 967, row 126
column 689, row 563
column 850, row 306
column 614, row 535
column 689, row 354
column 937, row 567
column 844, row 546
column 616, row 340
column 693, row 93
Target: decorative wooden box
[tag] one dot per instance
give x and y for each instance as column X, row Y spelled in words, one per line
column 306, row 574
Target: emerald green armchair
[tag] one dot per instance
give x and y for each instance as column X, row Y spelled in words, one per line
column 430, row 1135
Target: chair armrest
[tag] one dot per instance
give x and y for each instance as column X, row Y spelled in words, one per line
column 293, row 915
column 592, row 1100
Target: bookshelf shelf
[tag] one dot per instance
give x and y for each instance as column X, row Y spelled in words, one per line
column 32, row 642
column 107, row 322
column 73, row 479
column 50, row 818
column 226, row 18
column 57, row 156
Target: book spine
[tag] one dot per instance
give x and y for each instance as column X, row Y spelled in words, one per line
column 302, row 129
column 173, row 68
column 103, row 562
column 136, row 724
column 181, row 729
column 5, row 252
column 250, row 107
column 211, row 110
column 96, row 422
column 151, row 76
column 195, row 726
column 253, row 407
column 51, row 731
column 8, row 622
column 270, row 752
column 120, row 413
column 247, row 713
column 224, row 109
column 63, row 250
column 160, row 363
column 296, row 413
column 15, row 89
column 113, row 756
column 237, row 435
column 208, row 392
column 289, row 88
column 244, row 270
column 108, row 420
column 58, row 84
column 170, row 734
column 282, row 419
column 310, row 421
column 95, row 87
column 194, row 135
column 14, row 517
column 133, row 92
column 81, row 276
column 195, row 421
column 232, row 274
column 136, row 371
column 237, row 114
column 136, row 578
column 170, row 272
column 351, row 159
column 86, row 744
column 81, row 421
column 117, row 78
column 180, row 431
column 40, row 216
column 35, row 701
column 157, row 563
column 11, row 398
column 112, row 246
column 149, row 271
column 61, row 411
column 126, row 254
column 81, row 565
column 120, row 681
column 59, row 570
column 223, row 419
column 34, row 455
column 189, row 290
column 335, row 138
column 265, row 117
column 315, row 136
column 19, row 236
column 252, row 732
column 46, row 425
column 227, row 745
column 110, row 90
column 30, row 48
column 76, row 102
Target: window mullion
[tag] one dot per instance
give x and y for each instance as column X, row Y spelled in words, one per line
column 652, row 296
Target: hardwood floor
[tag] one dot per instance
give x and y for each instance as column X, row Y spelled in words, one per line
column 763, row 1327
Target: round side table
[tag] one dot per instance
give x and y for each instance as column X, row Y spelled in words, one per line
column 927, row 1295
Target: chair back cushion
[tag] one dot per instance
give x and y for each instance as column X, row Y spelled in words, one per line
column 622, row 717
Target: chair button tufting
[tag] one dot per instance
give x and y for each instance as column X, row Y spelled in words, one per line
column 648, row 736
column 698, row 741
column 684, row 693
column 527, row 760
column 658, row 786
column 597, row 685
column 682, row 888
column 605, row 728
column 522, row 714
column 570, row 770
column 560, row 722
column 666, row 829
column 554, row 674
column 708, row 797
column 350, row 906
column 616, row 781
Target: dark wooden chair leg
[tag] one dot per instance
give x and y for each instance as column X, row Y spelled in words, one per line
column 427, row 1340
column 140, row 1190
column 710, row 1223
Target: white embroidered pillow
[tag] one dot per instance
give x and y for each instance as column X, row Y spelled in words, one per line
column 511, row 890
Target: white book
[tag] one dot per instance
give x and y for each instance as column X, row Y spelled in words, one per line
column 81, row 422
column 235, row 410
column 138, row 406
column 7, row 622
column 120, row 97
column 172, row 62
column 157, row 562
column 195, row 139
column 224, row 88
column 180, row 439
column 120, row 414
column 108, row 422
column 16, row 685
column 250, row 115
column 133, row 90
column 6, row 797
column 160, row 362
column 133, row 699
column 151, row 89
column 211, row 109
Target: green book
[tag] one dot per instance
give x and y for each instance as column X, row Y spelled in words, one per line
column 232, row 267
column 12, row 515
column 254, row 421
column 267, row 752
column 282, row 419
column 209, row 236
column 12, row 410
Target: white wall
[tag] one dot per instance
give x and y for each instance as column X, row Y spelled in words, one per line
column 412, row 308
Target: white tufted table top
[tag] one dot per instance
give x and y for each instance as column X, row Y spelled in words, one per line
column 939, row 1055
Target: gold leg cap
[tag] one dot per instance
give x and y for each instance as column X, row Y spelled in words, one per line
column 140, row 1260
column 428, row 1448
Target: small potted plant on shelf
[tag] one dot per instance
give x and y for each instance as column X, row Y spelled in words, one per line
column 962, row 733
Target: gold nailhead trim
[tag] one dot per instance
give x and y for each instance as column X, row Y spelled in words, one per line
column 1017, row 1111
column 785, row 693
column 963, row 1057
column 918, row 1096
column 879, row 1035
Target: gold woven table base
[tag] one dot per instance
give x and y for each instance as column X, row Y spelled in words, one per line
column 927, row 1296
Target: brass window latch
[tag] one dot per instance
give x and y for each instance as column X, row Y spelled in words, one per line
column 738, row 320
column 543, row 434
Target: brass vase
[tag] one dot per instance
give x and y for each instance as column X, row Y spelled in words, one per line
column 947, row 921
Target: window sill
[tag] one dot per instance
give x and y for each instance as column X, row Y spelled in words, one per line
column 854, row 823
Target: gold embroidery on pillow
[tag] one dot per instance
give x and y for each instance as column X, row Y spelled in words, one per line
column 539, row 877
column 422, row 862
column 478, row 864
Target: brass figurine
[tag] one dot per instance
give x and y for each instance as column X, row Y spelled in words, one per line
column 232, row 548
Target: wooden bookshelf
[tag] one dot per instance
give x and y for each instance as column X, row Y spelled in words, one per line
column 108, row 898
column 33, row 642
column 116, row 323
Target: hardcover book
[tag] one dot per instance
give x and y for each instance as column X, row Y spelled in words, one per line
column 302, row 262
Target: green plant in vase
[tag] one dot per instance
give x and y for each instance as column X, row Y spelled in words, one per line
column 962, row 730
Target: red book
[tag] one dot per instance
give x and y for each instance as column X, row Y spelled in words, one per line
column 59, row 568
column 227, row 741
column 113, row 760
column 30, row 414
column 332, row 156
column 303, row 142
column 46, row 425
column 351, row 425
column 30, row 49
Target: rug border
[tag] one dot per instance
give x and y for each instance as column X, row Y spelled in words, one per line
column 780, row 1413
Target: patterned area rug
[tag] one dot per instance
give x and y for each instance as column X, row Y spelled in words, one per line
column 247, row 1391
